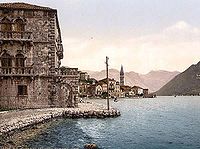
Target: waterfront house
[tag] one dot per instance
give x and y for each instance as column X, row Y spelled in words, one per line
column 117, row 89
column 145, row 92
column 138, row 90
column 126, row 91
column 91, row 92
column 30, row 58
column 113, row 87
column 87, row 85
column 99, row 90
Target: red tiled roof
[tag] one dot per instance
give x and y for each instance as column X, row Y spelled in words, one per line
column 19, row 5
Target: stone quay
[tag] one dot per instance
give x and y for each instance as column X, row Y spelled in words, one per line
column 18, row 120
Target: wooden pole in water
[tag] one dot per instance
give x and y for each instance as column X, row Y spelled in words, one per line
column 107, row 82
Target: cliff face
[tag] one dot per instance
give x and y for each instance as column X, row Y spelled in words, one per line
column 186, row 83
column 153, row 80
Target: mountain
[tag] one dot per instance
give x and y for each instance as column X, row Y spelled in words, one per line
column 157, row 79
column 186, row 83
column 153, row 80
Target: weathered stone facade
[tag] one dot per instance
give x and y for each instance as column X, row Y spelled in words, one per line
column 30, row 57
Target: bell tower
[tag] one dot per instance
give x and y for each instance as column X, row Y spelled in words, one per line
column 121, row 76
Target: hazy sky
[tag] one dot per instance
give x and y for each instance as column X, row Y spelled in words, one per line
column 142, row 35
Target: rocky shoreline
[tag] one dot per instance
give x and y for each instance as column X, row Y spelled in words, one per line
column 19, row 120
column 19, row 138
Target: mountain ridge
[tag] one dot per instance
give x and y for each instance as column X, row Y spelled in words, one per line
column 153, row 80
column 186, row 83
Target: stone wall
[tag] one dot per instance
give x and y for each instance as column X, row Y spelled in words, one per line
column 37, row 92
column 41, row 45
column 45, row 37
column 14, row 48
column 36, row 22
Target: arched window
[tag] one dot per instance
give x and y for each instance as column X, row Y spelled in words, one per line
column 6, row 25
column 19, row 25
column 20, row 60
column 6, row 60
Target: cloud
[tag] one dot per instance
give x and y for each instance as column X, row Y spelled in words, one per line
column 182, row 32
column 175, row 47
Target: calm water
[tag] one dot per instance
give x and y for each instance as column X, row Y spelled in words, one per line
column 163, row 122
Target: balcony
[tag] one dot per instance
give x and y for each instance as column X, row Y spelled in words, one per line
column 60, row 51
column 19, row 36
column 16, row 71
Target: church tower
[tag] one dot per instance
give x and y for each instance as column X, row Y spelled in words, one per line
column 121, row 76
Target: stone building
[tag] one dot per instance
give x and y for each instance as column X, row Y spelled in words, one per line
column 86, row 85
column 145, row 92
column 99, row 89
column 30, row 57
column 138, row 90
column 113, row 87
column 84, row 76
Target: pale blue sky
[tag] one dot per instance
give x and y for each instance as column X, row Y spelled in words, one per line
column 128, row 31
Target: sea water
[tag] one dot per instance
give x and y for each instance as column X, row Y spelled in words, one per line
column 156, row 123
